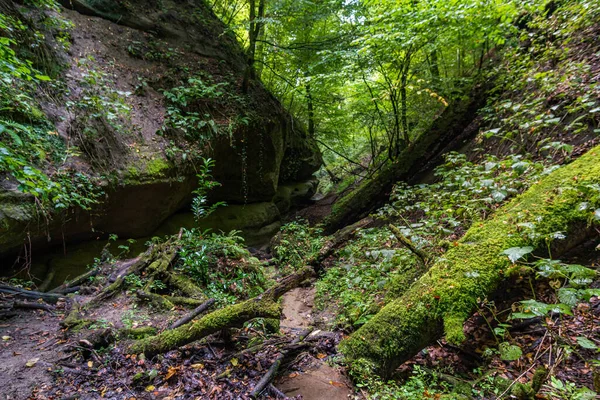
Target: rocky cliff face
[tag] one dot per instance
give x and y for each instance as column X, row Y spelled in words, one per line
column 142, row 91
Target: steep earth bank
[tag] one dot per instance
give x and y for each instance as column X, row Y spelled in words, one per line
column 137, row 104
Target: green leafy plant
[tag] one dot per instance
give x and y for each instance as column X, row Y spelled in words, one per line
column 200, row 209
column 186, row 110
column 221, row 264
column 297, row 243
column 464, row 192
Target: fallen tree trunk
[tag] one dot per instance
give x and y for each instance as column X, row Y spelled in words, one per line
column 442, row 299
column 263, row 306
column 440, row 137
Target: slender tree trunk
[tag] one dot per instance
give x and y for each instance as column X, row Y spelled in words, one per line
column 311, row 111
column 253, row 33
column 403, row 98
column 434, row 69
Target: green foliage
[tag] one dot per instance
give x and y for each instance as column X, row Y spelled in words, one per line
column 571, row 282
column 190, row 108
column 568, row 390
column 205, row 184
column 464, row 192
column 419, row 385
column 368, row 272
column 30, row 143
column 221, row 264
column 296, row 244
column 99, row 101
column 546, row 92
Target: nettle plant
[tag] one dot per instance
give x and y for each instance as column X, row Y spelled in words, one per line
column 464, row 192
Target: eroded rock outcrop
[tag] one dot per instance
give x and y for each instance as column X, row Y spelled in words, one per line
column 138, row 57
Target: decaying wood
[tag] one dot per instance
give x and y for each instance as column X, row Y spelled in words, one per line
column 276, row 393
column 30, row 294
column 75, row 318
column 67, row 286
column 47, row 280
column 424, row 257
column 156, row 300
column 156, row 261
column 234, row 316
column 197, row 311
column 272, row 372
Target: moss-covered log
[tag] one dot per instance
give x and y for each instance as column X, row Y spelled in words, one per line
column 446, row 295
column 263, row 306
column 446, row 133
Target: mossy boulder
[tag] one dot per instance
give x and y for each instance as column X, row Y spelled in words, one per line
column 441, row 300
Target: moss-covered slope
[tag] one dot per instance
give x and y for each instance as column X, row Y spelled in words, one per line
column 443, row 298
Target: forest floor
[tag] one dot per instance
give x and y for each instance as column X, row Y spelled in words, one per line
column 42, row 360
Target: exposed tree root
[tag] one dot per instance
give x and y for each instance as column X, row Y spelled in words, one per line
column 155, row 264
column 263, row 306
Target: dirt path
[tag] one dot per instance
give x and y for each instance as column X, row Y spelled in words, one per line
column 27, row 347
column 317, row 211
column 319, row 379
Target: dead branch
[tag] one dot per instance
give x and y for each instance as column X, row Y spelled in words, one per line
column 234, row 316
column 65, row 287
column 30, row 294
column 409, row 245
column 197, row 311
column 272, row 372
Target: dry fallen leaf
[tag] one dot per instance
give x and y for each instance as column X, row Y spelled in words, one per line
column 337, row 384
column 197, row 366
column 90, row 364
column 172, row 371
column 321, row 355
column 30, row 363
